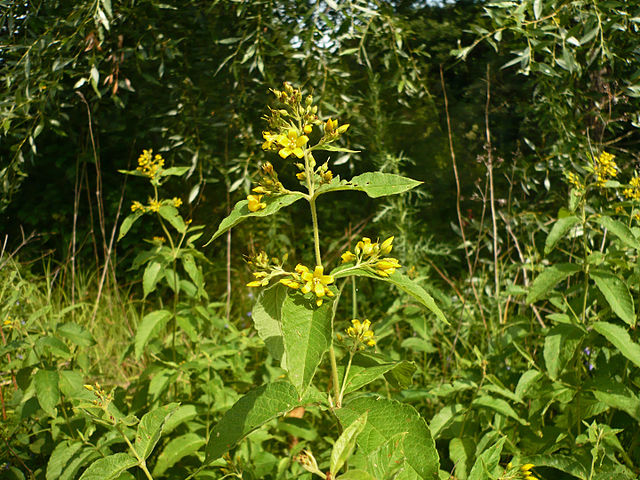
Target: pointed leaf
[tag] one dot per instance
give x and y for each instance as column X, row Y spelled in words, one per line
column 128, row 222
column 559, row 230
column 266, row 315
column 150, row 429
column 76, row 333
column 388, row 418
column 171, row 215
column 60, row 458
column 240, row 212
column 549, row 278
column 564, row 463
column 620, row 230
column 345, row 444
column 150, row 277
column 617, row 294
column 559, row 347
column 620, row 338
column 367, row 368
column 47, row 390
column 488, row 462
column 374, row 184
column 498, row 405
column 151, row 324
column 250, row 412
column 109, row 468
column 175, row 171
column 176, row 450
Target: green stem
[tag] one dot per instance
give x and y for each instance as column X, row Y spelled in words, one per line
column 141, row 463
column 354, row 298
column 344, row 380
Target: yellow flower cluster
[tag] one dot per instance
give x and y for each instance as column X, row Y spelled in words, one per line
column 526, row 472
column 605, row 168
column 292, row 143
column 633, row 192
column 368, row 253
column 149, row 165
column 255, row 203
column 154, row 205
column 331, row 127
column 574, row 180
column 361, row 332
column 316, row 282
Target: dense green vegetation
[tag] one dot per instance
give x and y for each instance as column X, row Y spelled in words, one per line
column 477, row 181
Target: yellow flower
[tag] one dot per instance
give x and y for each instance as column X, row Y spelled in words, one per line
column 605, row 168
column 633, row 193
column 150, row 166
column 137, row 206
column 386, row 266
column 290, row 283
column 386, row 246
column 315, row 282
column 154, row 206
column 361, row 331
column 177, row 202
column 159, row 239
column 348, row 257
column 255, row 203
column 308, row 129
column 269, row 139
column 292, row 144
column 366, row 247
column 330, row 126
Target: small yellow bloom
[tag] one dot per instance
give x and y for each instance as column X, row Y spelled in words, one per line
column 137, row 206
column 366, row 247
column 159, row 239
column 348, row 257
column 361, row 332
column 255, row 203
column 330, row 126
column 605, row 168
column 290, row 283
column 386, row 266
column 633, row 193
column 154, row 206
column 269, row 140
column 315, row 282
column 177, row 202
column 255, row 283
column 150, row 166
column 292, row 143
column 308, row 129
column 386, row 246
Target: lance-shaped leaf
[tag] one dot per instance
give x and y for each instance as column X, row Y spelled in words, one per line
column 617, row 294
column 249, row 413
column 487, row 464
column 404, row 283
column 266, row 316
column 241, row 211
column 559, row 230
column 620, row 230
column 365, row 368
column 151, row 324
column 374, row 184
column 47, row 390
column 549, row 278
column 388, row 418
column 559, row 347
column 345, row 444
column 150, row 429
column 128, row 222
column 620, row 338
column 171, row 215
column 568, row 464
column 176, row 450
column 109, row 468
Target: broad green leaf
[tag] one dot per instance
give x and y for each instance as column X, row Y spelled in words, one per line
column 445, row 417
column 559, row 347
column 487, row 464
column 461, row 452
column 266, row 315
column 559, row 230
column 306, row 334
column 60, row 458
column 71, row 384
column 564, row 463
column 617, row 294
column 240, row 212
column 388, row 418
column 54, row 346
column 150, row 277
column 356, row 475
column 176, row 450
column 366, row 368
column 128, row 222
column 617, row 396
column 190, row 266
column 181, row 415
column 47, row 390
column 498, row 405
column 549, row 278
column 175, row 171
column 171, row 215
column 150, row 429
column 402, row 282
column 374, row 184
column 620, row 230
column 250, row 412
column 527, row 379
column 76, row 333
column 109, row 468
column 620, row 338
column 388, row 461
column 151, row 324
column 345, row 444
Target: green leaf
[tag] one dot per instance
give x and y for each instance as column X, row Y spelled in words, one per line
column 620, row 230
column 53, row 345
column 549, row 278
column 498, row 405
column 175, row 171
column 366, row 368
column 109, row 468
column 76, row 333
column 388, row 461
column 150, row 429
column 128, row 222
column 47, row 390
column 356, row 475
column 461, row 451
column 487, row 464
column 150, row 277
column 564, row 463
column 333, row 148
column 559, row 230
column 559, row 347
column 388, row 418
column 240, row 212
column 190, row 266
column 620, row 338
column 60, row 458
column 617, row 294
column 537, row 8
column 306, row 334
column 404, row 283
column 266, row 315
column 374, row 184
column 617, row 396
column 250, row 412
column 151, row 325
column 345, row 444
column 176, row 450
column 171, row 215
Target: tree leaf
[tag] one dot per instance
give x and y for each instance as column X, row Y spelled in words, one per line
column 60, row 458
column 128, row 222
column 388, row 418
column 559, row 230
column 47, row 390
column 171, row 215
column 620, row 230
column 549, row 278
column 617, row 294
column 241, row 212
column 346, row 442
column 150, row 429
column 250, row 412
column 306, row 334
column 404, row 283
column 620, row 338
column 109, row 468
column 176, row 450
column 151, row 324
column 559, row 347
column 487, row 464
